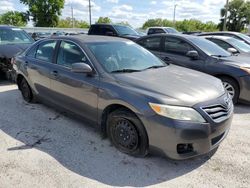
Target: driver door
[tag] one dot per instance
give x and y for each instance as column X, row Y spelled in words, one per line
column 175, row 51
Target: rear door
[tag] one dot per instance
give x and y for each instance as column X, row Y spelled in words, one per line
column 38, row 64
column 74, row 91
column 175, row 51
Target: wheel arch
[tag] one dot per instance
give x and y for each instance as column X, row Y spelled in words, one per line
column 228, row 76
column 111, row 108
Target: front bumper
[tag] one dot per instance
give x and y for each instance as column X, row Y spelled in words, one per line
column 167, row 135
column 245, row 89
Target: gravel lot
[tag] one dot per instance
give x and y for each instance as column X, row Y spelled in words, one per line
column 40, row 147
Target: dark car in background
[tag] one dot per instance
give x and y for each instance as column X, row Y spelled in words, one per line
column 134, row 97
column 12, row 41
column 158, row 30
column 114, row 30
column 203, row 55
column 239, row 36
column 230, row 44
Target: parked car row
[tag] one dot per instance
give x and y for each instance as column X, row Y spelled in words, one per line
column 140, row 91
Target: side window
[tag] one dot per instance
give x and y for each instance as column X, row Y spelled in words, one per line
column 177, row 46
column 151, row 31
column 108, row 31
column 70, row 53
column 221, row 43
column 45, row 51
column 152, row 43
column 32, row 52
column 96, row 30
column 160, row 31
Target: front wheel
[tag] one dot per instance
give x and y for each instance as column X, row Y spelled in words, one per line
column 127, row 133
column 232, row 88
column 26, row 91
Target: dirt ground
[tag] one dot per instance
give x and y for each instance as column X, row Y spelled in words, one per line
column 40, row 147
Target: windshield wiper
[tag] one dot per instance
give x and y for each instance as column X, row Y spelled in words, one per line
column 125, row 71
column 156, row 67
column 219, row 56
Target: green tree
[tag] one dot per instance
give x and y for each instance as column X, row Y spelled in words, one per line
column 238, row 15
column 67, row 23
column 124, row 23
column 105, row 20
column 14, row 18
column 45, row 13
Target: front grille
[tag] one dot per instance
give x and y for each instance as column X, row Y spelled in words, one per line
column 219, row 113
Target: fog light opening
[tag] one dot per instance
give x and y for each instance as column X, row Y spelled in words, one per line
column 184, row 148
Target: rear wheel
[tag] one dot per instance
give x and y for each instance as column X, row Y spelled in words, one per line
column 26, row 90
column 232, row 88
column 127, row 133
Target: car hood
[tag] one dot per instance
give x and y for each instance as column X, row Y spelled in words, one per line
column 173, row 85
column 10, row 50
column 241, row 60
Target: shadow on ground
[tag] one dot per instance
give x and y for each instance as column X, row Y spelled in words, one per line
column 242, row 109
column 80, row 148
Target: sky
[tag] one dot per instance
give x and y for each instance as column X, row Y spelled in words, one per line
column 136, row 12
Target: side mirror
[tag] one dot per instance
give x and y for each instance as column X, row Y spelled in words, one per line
column 193, row 54
column 81, row 68
column 232, row 50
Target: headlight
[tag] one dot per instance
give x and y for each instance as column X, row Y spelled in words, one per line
column 247, row 69
column 177, row 112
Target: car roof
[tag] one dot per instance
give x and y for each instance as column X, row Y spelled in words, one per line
column 219, row 32
column 91, row 38
column 159, row 27
column 7, row 27
column 217, row 37
column 171, row 35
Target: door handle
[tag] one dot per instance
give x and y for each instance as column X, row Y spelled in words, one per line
column 54, row 73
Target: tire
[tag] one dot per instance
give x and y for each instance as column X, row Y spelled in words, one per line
column 26, row 91
column 127, row 133
column 232, row 88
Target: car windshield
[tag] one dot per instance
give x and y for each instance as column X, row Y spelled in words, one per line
column 124, row 56
column 125, row 30
column 209, row 47
column 14, row 36
column 239, row 44
column 171, row 30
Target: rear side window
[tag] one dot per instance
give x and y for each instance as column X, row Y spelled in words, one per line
column 221, row 43
column 155, row 31
column 45, row 51
column 70, row 53
column 152, row 43
column 95, row 30
column 177, row 46
column 102, row 30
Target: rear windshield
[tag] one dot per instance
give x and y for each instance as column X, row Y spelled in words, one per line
column 14, row 36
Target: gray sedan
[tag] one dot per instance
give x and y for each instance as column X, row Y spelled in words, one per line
column 135, row 98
